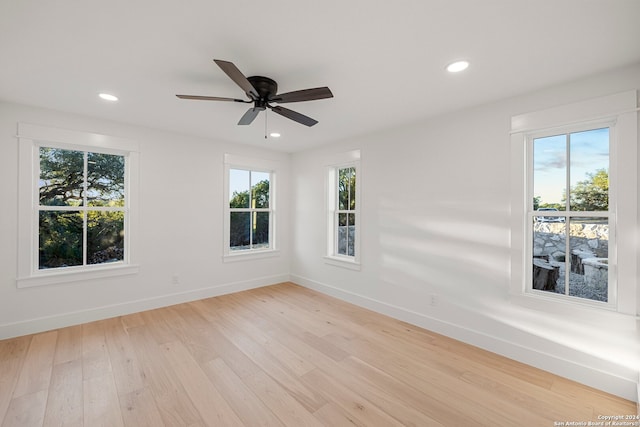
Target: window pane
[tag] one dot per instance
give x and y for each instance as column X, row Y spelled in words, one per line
column 238, row 188
column 260, row 230
column 239, row 230
column 60, row 239
column 589, row 246
column 105, row 180
column 346, row 234
column 346, row 188
column 549, row 172
column 590, row 170
column 260, row 189
column 61, row 177
column 105, row 237
column 549, row 247
column 351, row 231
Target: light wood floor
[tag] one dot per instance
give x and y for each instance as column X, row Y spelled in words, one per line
column 280, row 355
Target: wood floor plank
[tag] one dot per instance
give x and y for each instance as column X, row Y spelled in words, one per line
column 101, row 405
column 245, row 403
column 287, row 357
column 9, row 374
column 65, row 398
column 126, row 369
column 267, row 363
column 35, row 374
column 350, row 400
column 139, row 409
column 26, row 410
column 213, row 408
column 172, row 401
column 333, row 415
column 95, row 355
column 288, row 409
column 69, row 345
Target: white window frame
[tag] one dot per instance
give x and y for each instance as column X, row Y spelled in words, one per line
column 332, row 257
column 30, row 138
column 610, row 215
column 619, row 113
column 232, row 161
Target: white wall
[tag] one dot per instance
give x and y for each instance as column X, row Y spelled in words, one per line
column 435, row 220
column 181, row 208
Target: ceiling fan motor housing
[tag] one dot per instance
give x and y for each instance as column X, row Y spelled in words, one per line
column 266, row 88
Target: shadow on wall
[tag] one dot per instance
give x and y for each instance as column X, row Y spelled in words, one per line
column 460, row 251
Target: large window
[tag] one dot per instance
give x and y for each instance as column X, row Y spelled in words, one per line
column 570, row 216
column 343, row 212
column 81, row 208
column 574, row 206
column 76, row 190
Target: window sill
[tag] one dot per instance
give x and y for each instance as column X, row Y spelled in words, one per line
column 584, row 312
column 44, row 278
column 343, row 262
column 249, row 255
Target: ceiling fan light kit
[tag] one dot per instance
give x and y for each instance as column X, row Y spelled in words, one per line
column 262, row 91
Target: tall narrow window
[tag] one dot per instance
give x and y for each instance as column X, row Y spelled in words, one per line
column 343, row 211
column 81, row 208
column 570, row 216
column 346, row 212
column 250, row 210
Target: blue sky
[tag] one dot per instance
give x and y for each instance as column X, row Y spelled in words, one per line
column 239, row 180
column 589, row 151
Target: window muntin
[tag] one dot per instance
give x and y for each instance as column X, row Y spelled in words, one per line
column 81, row 208
column 570, row 184
column 250, row 210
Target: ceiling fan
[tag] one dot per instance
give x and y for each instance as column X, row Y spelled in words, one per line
column 262, row 91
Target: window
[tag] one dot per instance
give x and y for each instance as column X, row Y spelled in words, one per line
column 571, row 225
column 574, row 207
column 249, row 208
column 249, row 212
column 345, row 214
column 81, row 208
column 75, row 195
column 343, row 219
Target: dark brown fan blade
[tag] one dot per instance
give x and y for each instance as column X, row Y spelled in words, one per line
column 210, row 98
column 236, row 75
column 250, row 115
column 295, row 116
column 303, row 95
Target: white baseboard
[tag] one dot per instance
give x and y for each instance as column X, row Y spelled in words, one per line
column 31, row 326
column 627, row 388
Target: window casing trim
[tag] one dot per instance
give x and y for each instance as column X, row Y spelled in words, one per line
column 619, row 109
column 610, row 214
column 232, row 161
column 345, row 160
column 30, row 138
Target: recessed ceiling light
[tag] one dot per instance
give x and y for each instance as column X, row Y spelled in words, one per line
column 456, row 67
column 108, row 97
column 274, row 135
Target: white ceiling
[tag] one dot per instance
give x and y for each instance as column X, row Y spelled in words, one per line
column 383, row 60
